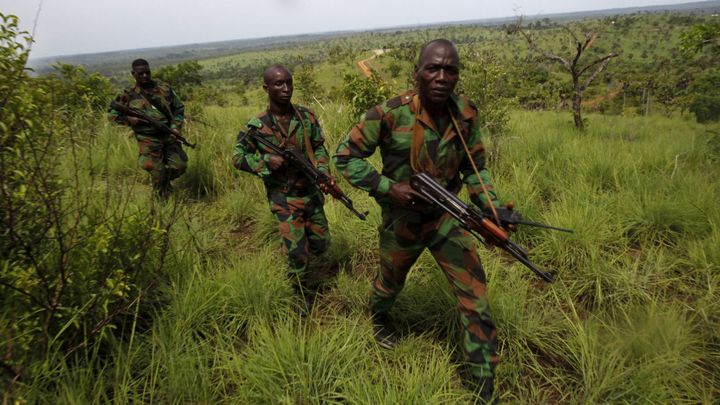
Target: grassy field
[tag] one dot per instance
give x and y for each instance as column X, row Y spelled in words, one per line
column 633, row 317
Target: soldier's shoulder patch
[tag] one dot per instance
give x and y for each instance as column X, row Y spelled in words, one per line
column 308, row 112
column 164, row 87
column 255, row 123
column 374, row 113
column 396, row 102
column 467, row 107
column 464, row 101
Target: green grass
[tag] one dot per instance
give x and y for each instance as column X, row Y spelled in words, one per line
column 632, row 318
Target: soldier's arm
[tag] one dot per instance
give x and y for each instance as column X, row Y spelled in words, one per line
column 318, row 144
column 116, row 116
column 178, row 110
column 247, row 157
column 360, row 143
column 477, row 150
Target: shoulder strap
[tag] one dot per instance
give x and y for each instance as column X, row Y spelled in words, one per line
column 308, row 145
column 161, row 108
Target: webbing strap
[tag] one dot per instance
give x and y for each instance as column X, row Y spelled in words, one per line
column 475, row 169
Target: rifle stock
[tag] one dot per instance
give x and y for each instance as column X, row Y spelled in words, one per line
column 313, row 174
column 131, row 112
column 474, row 221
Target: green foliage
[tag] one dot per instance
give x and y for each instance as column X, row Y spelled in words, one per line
column 706, row 96
column 306, row 85
column 483, row 80
column 75, row 91
column 364, row 92
column 74, row 266
column 632, row 317
column 701, row 37
column 181, row 76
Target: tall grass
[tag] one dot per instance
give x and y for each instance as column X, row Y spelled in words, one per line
column 632, row 318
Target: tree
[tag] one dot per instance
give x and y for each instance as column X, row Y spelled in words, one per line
column 701, row 37
column 706, row 97
column 582, row 74
column 306, row 84
column 182, row 76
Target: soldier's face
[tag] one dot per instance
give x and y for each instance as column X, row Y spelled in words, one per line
column 437, row 73
column 142, row 75
column 279, row 86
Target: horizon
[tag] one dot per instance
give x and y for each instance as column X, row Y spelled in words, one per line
column 43, row 47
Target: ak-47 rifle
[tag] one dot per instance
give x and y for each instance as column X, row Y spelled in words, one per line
column 314, row 175
column 132, row 112
column 477, row 222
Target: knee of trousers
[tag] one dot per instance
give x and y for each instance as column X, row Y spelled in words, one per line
column 177, row 168
column 319, row 246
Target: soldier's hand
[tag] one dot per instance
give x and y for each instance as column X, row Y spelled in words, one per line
column 134, row 121
column 404, row 195
column 327, row 186
column 275, row 162
column 174, row 133
column 508, row 216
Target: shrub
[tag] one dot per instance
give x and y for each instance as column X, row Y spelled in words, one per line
column 362, row 93
column 74, row 266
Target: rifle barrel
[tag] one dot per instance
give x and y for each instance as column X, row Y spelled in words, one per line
column 539, row 225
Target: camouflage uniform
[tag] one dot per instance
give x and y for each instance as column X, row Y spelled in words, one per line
column 296, row 203
column 406, row 232
column 159, row 154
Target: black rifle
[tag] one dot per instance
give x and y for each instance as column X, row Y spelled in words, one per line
column 132, row 112
column 474, row 220
column 314, row 175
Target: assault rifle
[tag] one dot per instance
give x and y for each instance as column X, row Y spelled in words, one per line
column 132, row 112
column 475, row 221
column 314, row 175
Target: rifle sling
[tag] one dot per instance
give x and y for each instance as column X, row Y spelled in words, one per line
column 308, row 146
column 159, row 107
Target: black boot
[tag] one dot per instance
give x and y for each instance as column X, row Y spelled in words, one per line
column 485, row 387
column 385, row 334
column 162, row 189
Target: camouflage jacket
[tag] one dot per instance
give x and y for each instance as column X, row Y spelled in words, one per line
column 392, row 125
column 171, row 111
column 304, row 129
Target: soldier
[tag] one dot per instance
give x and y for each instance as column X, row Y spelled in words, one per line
column 424, row 130
column 296, row 203
column 160, row 153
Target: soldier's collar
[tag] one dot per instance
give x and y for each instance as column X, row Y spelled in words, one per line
column 453, row 103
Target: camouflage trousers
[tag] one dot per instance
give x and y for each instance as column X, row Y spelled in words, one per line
column 403, row 237
column 303, row 228
column 163, row 158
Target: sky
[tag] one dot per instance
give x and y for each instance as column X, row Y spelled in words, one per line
column 65, row 27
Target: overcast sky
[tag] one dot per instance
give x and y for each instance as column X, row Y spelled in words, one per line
column 87, row 26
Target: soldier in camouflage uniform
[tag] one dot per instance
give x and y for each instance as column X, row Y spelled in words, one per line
column 296, row 203
column 160, row 153
column 420, row 131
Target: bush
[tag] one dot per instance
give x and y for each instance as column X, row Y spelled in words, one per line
column 364, row 92
column 74, row 91
column 74, row 266
column 483, row 80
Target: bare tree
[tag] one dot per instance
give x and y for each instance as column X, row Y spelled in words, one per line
column 582, row 74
